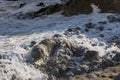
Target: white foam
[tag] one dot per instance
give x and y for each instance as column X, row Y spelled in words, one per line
column 15, row 35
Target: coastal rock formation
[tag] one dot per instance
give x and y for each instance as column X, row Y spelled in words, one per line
column 63, row 58
column 51, row 47
column 84, row 6
column 60, row 57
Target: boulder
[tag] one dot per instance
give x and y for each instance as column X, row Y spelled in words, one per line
column 91, row 55
column 52, row 47
column 72, row 31
column 116, row 57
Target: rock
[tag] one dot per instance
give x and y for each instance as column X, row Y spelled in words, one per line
column 45, row 10
column 90, row 76
column 41, row 4
column 102, row 22
column 118, row 77
column 89, row 25
column 72, row 31
column 0, row 56
column 73, row 7
column 56, row 57
column 117, row 57
column 22, row 4
column 91, row 55
column 111, row 73
column 63, row 58
column 101, row 28
column 32, row 43
column 70, row 74
column 57, row 36
column 102, row 35
column 68, row 34
column 86, row 30
column 52, row 47
column 25, row 46
column 113, row 18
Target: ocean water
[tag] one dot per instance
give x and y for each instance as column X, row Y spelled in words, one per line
column 16, row 36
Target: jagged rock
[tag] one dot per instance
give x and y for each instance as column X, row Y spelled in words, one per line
column 72, row 31
column 83, row 6
column 62, row 58
column 91, row 55
column 22, row 4
column 113, row 18
column 41, row 4
column 102, row 35
column 101, row 28
column 56, row 56
column 32, row 43
column 46, row 10
column 57, row 36
column 89, row 25
column 76, row 7
column 111, row 73
column 52, row 47
column 116, row 57
column 102, row 22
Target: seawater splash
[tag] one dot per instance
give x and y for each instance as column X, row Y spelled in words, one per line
column 13, row 65
column 10, row 70
column 95, row 8
column 22, row 32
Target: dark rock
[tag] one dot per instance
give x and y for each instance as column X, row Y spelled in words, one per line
column 68, row 34
column 101, row 28
column 116, row 57
column 72, row 31
column 102, row 35
column 90, row 25
column 41, row 4
column 22, row 4
column 118, row 77
column 25, row 46
column 42, row 11
column 32, row 43
column 113, row 18
column 91, row 55
column 86, row 30
column 0, row 56
column 51, row 47
column 108, row 63
column 73, row 7
column 49, row 10
column 102, row 22
column 114, row 38
column 76, row 7
column 57, row 36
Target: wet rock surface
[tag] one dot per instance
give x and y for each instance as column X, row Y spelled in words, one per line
column 111, row 73
column 67, row 60
column 76, row 47
column 62, row 59
column 67, row 8
column 84, row 6
column 46, row 10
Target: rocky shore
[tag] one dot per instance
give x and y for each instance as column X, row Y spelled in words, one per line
column 59, row 40
column 63, row 59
